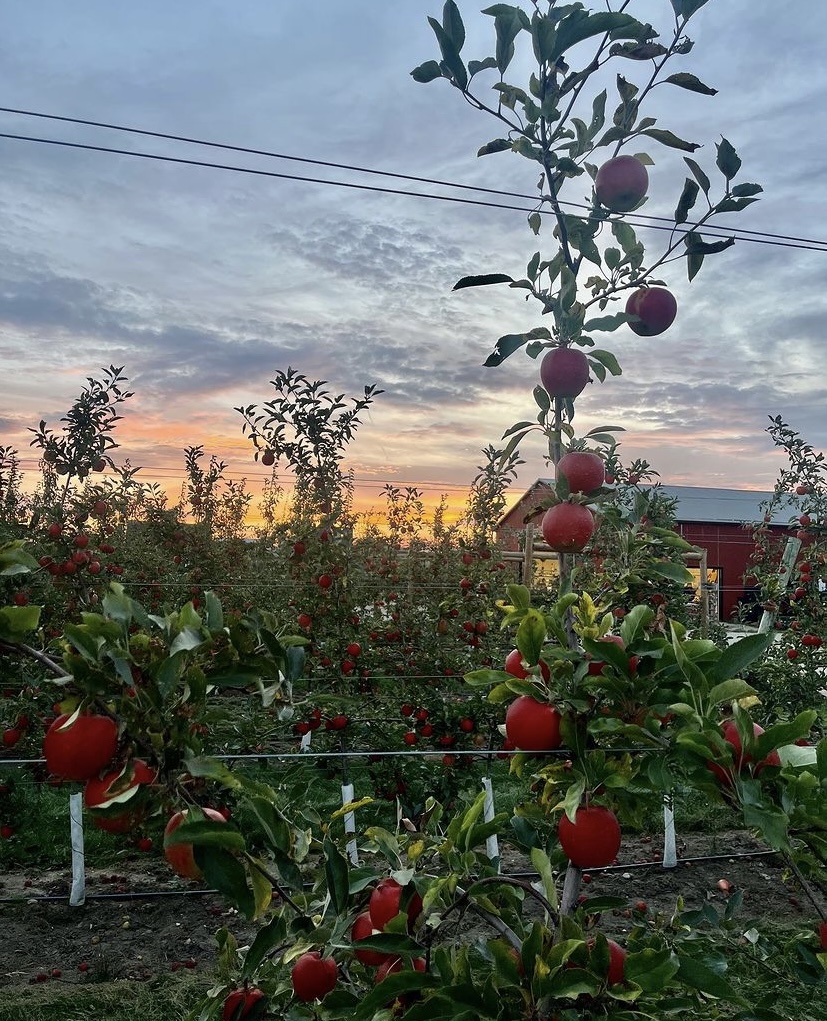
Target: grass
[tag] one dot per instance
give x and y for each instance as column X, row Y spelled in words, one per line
column 165, row 998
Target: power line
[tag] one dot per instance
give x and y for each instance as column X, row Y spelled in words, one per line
column 270, row 154
column 667, row 225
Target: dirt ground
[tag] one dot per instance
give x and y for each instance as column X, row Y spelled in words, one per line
column 121, row 934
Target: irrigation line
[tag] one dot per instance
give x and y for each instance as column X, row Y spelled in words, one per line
column 657, row 865
column 366, row 753
column 153, row 894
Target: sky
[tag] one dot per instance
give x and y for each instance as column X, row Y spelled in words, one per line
column 203, row 283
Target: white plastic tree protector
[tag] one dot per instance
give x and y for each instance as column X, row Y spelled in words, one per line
column 670, row 854
column 77, row 895
column 350, row 824
column 492, row 845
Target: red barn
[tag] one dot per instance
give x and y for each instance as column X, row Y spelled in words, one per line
column 712, row 519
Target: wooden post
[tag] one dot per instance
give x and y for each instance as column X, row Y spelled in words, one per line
column 528, row 556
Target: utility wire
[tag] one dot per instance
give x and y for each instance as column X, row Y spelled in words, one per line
column 668, row 225
column 365, row 170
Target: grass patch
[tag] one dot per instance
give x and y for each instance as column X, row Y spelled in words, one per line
column 161, row 999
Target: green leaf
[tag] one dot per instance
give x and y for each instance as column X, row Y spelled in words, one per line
column 580, row 25
column 17, row 620
column 743, row 190
column 772, row 823
column 531, row 635
column 497, row 145
column 336, row 874
column 625, row 236
column 475, row 66
column 635, row 623
column 541, row 398
column 695, row 243
column 737, row 657
column 15, row 560
column 698, row 174
column 81, row 638
column 544, row 37
column 607, row 324
column 507, row 25
column 727, row 161
column 213, row 612
column 542, row 864
column 186, row 641
column 452, row 24
column 781, row 734
column 729, row 691
column 671, row 140
column 703, row 978
column 395, row 986
column 267, row 937
column 505, row 347
column 427, row 72
column 483, row 279
column 226, row 873
column 733, row 205
column 202, row 832
column 686, row 8
column 674, row 572
column 571, row 800
column 651, row 969
column 607, row 359
column 691, row 82
column 485, row 677
column 519, row 595
column 694, row 261
column 687, row 200
column 450, row 54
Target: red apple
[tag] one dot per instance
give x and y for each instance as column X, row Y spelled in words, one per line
column 241, row 1003
column 583, row 471
column 656, row 309
column 386, row 902
column 593, row 839
column 394, row 965
column 81, row 749
column 180, row 856
column 533, row 726
column 362, row 928
column 514, row 666
column 313, row 976
column 621, row 183
column 564, row 372
column 732, row 737
column 567, row 527
column 617, row 963
column 114, row 799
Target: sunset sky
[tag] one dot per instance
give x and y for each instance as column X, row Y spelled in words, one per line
column 203, row 283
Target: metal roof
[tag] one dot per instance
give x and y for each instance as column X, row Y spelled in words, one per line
column 722, row 506
column 726, row 506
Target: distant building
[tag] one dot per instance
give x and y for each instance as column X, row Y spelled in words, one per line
column 712, row 519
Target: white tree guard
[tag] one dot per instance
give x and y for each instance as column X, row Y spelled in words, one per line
column 492, row 844
column 77, row 894
column 350, row 824
column 670, row 853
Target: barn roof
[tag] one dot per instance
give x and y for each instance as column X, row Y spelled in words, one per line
column 726, row 506
column 712, row 506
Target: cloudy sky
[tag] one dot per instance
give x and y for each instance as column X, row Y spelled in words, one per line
column 204, row 282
